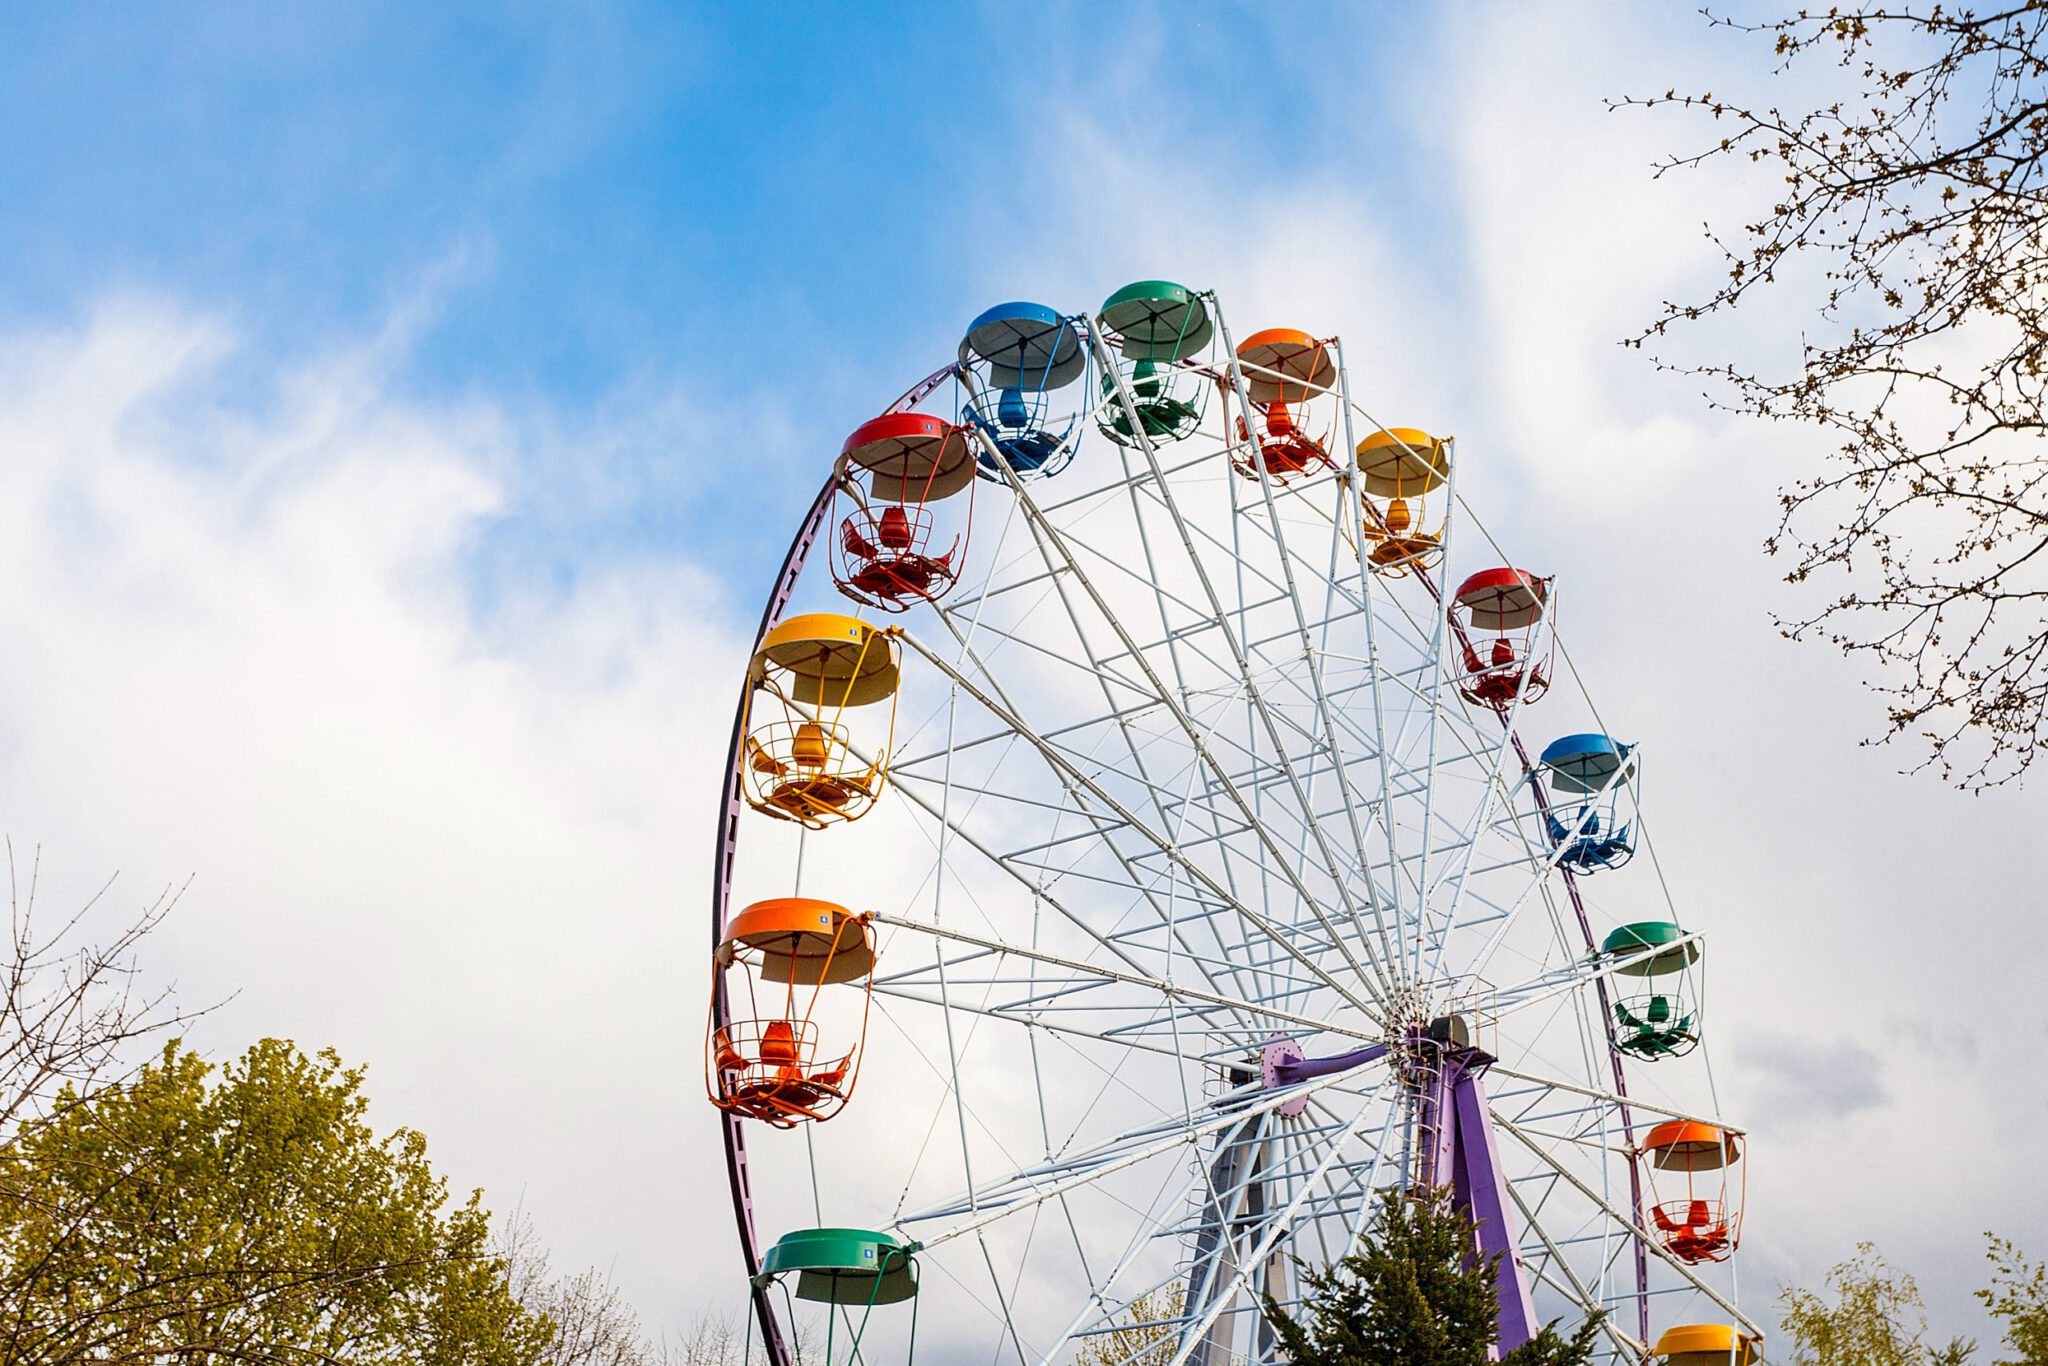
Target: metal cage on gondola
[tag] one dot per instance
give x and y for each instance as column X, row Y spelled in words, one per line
column 780, row 1060
column 1399, row 467
column 851, row 1270
column 1592, row 814
column 1658, row 998
column 808, row 689
column 901, row 539
column 1510, row 606
column 1156, row 392
column 1287, row 405
column 1018, row 366
column 1692, row 1198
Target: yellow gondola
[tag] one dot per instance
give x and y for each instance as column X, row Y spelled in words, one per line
column 804, row 762
column 1399, row 465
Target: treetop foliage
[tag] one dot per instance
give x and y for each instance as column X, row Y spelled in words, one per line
column 2018, row 1294
column 1413, row 1295
column 1872, row 1314
column 254, row 1219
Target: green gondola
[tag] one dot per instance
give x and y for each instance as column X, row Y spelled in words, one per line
column 1662, row 1018
column 1163, row 332
column 848, row 1268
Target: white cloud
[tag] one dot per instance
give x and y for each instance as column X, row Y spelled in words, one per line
column 1798, row 1078
column 467, row 852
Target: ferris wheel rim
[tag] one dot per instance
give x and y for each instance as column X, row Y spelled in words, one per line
column 793, row 566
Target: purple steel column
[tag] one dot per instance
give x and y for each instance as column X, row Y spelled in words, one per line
column 1480, row 1189
column 1437, row 1118
column 1458, row 1154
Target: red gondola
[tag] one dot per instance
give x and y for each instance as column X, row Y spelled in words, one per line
column 896, row 470
column 1508, row 605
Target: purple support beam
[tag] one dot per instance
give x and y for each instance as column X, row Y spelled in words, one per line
column 1287, row 1071
column 1480, row 1189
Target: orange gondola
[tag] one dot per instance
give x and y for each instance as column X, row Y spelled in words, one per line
column 1290, row 379
column 1704, row 1224
column 783, row 1067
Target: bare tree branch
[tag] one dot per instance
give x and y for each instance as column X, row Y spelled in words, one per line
column 1913, row 215
column 72, row 1013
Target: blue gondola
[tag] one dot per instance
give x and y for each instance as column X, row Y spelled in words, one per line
column 1014, row 359
column 1592, row 811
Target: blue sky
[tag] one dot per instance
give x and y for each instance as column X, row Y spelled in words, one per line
column 452, row 376
column 795, row 207
column 625, row 187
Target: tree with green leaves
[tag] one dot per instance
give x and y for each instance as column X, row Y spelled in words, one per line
column 1870, row 1314
column 249, row 1215
column 73, row 1012
column 1145, row 1333
column 1415, row 1295
column 2018, row 1294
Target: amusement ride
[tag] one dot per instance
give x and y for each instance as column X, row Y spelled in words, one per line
column 1133, row 865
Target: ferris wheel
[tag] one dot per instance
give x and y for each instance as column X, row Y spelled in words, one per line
column 1130, row 865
